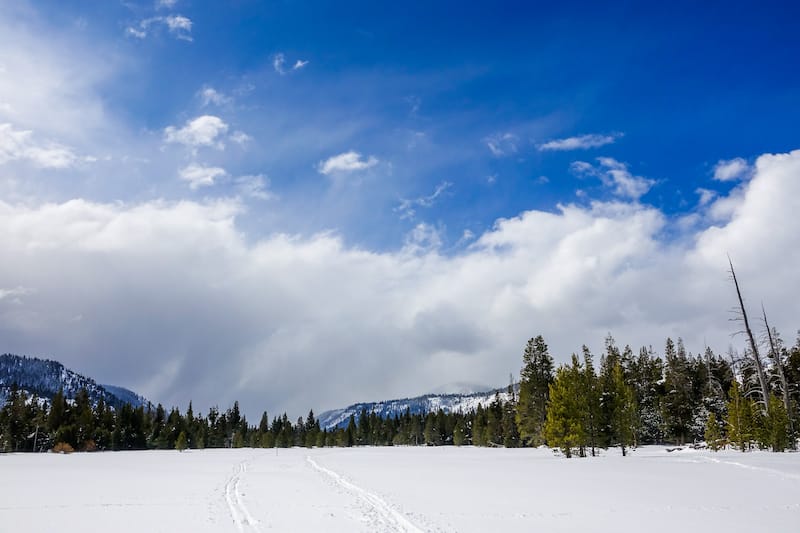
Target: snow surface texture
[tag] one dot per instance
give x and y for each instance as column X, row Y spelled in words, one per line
column 401, row 489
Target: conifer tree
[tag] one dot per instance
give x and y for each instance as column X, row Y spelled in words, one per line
column 590, row 392
column 739, row 422
column 624, row 411
column 713, row 436
column 180, row 443
column 678, row 404
column 564, row 427
column 534, row 390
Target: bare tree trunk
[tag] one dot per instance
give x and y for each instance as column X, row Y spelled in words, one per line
column 762, row 378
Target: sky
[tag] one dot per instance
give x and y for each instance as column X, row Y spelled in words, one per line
column 304, row 205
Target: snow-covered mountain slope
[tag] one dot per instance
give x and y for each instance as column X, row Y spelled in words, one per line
column 45, row 378
column 449, row 403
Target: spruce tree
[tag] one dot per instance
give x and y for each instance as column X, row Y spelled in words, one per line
column 534, row 390
column 678, row 404
column 713, row 435
column 180, row 443
column 624, row 415
column 564, row 426
column 739, row 422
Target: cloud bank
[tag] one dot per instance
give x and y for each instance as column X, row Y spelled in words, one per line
column 170, row 298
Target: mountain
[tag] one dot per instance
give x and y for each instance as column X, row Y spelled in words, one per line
column 449, row 403
column 45, row 378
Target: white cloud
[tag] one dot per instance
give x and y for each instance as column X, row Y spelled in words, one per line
column 732, row 169
column 178, row 26
column 278, row 62
column 502, row 144
column 209, row 95
column 706, row 196
column 240, row 137
column 199, row 287
column 15, row 292
column 205, row 130
column 423, row 239
column 615, row 175
column 580, row 142
column 200, row 175
column 50, row 81
column 20, row 145
column 167, row 4
column 254, row 186
column 407, row 207
column 346, row 162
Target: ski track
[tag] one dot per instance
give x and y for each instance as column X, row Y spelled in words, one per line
column 778, row 473
column 393, row 520
column 239, row 512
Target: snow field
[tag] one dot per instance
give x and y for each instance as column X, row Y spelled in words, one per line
column 401, row 489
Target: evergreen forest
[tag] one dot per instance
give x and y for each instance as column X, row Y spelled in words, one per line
column 626, row 399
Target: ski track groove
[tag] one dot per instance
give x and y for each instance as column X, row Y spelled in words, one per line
column 389, row 515
column 239, row 512
column 778, row 473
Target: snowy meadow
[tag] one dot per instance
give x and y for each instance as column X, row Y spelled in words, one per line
column 400, row 489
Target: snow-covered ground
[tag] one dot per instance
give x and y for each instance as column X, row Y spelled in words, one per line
column 400, row 489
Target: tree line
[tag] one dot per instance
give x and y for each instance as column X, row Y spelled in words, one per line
column 631, row 398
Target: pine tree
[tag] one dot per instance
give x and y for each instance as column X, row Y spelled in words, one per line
column 739, row 422
column 590, row 392
column 180, row 443
column 624, row 414
column 713, row 436
column 678, row 406
column 459, row 432
column 564, row 426
column 534, row 390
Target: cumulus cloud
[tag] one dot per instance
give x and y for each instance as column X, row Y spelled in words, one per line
column 191, row 308
column 205, row 130
column 178, row 26
column 731, row 170
column 407, row 207
column 580, row 142
column 351, row 161
column 616, row 176
column 502, row 144
column 18, row 145
column 200, row 175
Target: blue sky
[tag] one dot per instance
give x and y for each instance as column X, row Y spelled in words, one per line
column 266, row 195
column 423, row 89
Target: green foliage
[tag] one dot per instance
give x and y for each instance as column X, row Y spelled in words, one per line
column 534, row 390
column 632, row 400
column 567, row 412
column 181, row 443
column 739, row 422
column 713, row 435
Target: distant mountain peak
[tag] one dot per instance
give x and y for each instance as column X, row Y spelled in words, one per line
column 45, row 377
column 449, row 403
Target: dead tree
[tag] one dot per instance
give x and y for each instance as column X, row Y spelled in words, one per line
column 756, row 357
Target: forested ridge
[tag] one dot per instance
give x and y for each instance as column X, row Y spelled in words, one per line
column 627, row 398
